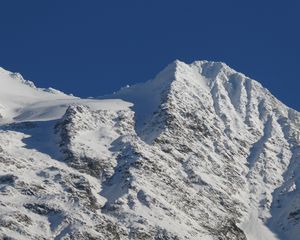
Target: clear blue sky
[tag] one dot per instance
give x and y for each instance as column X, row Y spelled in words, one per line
column 93, row 47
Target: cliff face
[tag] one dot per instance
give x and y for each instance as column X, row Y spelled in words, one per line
column 199, row 152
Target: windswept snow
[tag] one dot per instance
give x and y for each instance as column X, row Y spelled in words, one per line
column 22, row 101
column 199, row 152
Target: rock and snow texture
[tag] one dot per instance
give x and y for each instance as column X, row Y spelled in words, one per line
column 199, row 152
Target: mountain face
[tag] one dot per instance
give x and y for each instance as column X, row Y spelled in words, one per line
column 199, row 152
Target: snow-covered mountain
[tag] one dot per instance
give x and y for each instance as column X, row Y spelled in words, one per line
column 199, row 152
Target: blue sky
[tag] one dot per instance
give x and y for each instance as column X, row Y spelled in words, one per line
column 92, row 47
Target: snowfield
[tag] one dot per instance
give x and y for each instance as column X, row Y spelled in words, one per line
column 199, row 152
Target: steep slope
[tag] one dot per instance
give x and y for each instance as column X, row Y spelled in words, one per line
column 199, row 152
column 38, row 191
column 229, row 135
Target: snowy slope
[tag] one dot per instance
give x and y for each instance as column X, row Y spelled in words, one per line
column 199, row 152
column 21, row 100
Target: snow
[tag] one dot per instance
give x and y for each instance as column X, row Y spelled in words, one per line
column 146, row 97
column 199, row 152
column 22, row 101
column 255, row 229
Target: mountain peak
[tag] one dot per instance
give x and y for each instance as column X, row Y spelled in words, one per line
column 178, row 70
column 176, row 77
column 14, row 77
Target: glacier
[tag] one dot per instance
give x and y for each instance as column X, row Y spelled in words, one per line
column 201, row 151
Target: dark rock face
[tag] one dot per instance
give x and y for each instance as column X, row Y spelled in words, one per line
column 81, row 118
column 8, row 179
column 230, row 231
column 40, row 209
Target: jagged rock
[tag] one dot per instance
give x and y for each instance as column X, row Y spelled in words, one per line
column 8, row 179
